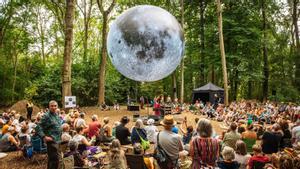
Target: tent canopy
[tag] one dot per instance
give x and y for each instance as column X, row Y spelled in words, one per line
column 208, row 87
column 209, row 93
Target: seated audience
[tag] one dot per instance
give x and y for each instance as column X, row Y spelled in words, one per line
column 8, row 142
column 94, row 127
column 249, row 137
column 258, row 160
column 231, row 137
column 138, row 132
column 122, row 132
column 228, row 157
column 106, row 131
column 138, row 150
column 271, row 140
column 65, row 137
column 79, row 161
column 117, row 159
column 241, row 155
column 151, row 131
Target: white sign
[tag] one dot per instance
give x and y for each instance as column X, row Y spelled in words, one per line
column 70, row 101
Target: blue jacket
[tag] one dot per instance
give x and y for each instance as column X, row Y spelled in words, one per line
column 135, row 136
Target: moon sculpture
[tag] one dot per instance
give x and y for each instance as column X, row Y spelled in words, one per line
column 145, row 43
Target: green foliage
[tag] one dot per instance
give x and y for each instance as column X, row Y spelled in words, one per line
column 24, row 26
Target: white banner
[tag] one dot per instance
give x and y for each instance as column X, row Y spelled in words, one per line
column 70, row 101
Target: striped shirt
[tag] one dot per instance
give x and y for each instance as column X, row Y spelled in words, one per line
column 204, row 152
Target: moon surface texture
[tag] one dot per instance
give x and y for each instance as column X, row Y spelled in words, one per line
column 145, row 43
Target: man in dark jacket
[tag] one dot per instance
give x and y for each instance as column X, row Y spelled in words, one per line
column 49, row 129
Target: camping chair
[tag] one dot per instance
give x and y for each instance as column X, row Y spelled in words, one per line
column 135, row 161
column 38, row 148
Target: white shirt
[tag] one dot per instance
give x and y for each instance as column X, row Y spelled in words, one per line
column 296, row 134
column 80, row 122
column 78, row 138
column 243, row 160
column 151, row 130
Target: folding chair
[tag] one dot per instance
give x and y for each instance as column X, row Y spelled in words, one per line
column 38, row 148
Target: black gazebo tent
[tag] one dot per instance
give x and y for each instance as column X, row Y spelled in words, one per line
column 207, row 93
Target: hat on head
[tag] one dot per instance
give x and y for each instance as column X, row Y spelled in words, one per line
column 125, row 119
column 168, row 121
column 150, row 121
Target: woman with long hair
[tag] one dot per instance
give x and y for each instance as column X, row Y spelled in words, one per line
column 117, row 159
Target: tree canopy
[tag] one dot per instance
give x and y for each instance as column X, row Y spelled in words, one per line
column 261, row 42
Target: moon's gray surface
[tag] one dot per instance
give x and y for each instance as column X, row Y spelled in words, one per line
column 145, row 43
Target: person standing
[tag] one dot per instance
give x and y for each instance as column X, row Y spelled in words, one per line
column 29, row 108
column 49, row 128
column 142, row 102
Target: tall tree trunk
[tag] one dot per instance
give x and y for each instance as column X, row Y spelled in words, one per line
column 105, row 14
column 202, row 45
column 103, row 62
column 15, row 62
column 66, row 76
column 174, row 84
column 222, row 50
column 265, row 54
column 182, row 62
column 297, row 57
column 86, row 11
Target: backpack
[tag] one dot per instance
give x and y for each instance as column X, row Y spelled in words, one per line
column 162, row 157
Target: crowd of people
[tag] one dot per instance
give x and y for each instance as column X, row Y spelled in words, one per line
column 255, row 135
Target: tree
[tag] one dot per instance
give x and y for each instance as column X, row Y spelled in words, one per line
column 295, row 16
column 105, row 14
column 202, row 37
column 66, row 71
column 182, row 62
column 265, row 54
column 86, row 11
column 222, row 50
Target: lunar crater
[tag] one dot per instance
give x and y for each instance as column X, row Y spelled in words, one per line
column 145, row 43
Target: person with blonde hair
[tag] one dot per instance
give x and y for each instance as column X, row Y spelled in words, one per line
column 116, row 155
column 65, row 137
column 258, row 159
column 106, row 131
column 228, row 159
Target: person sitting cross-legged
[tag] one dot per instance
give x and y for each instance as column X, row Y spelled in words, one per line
column 116, row 155
column 8, row 142
column 79, row 161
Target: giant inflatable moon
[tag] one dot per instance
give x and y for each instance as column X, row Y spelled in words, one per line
column 145, row 43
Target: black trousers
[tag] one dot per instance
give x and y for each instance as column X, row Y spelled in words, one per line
column 53, row 155
column 29, row 114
